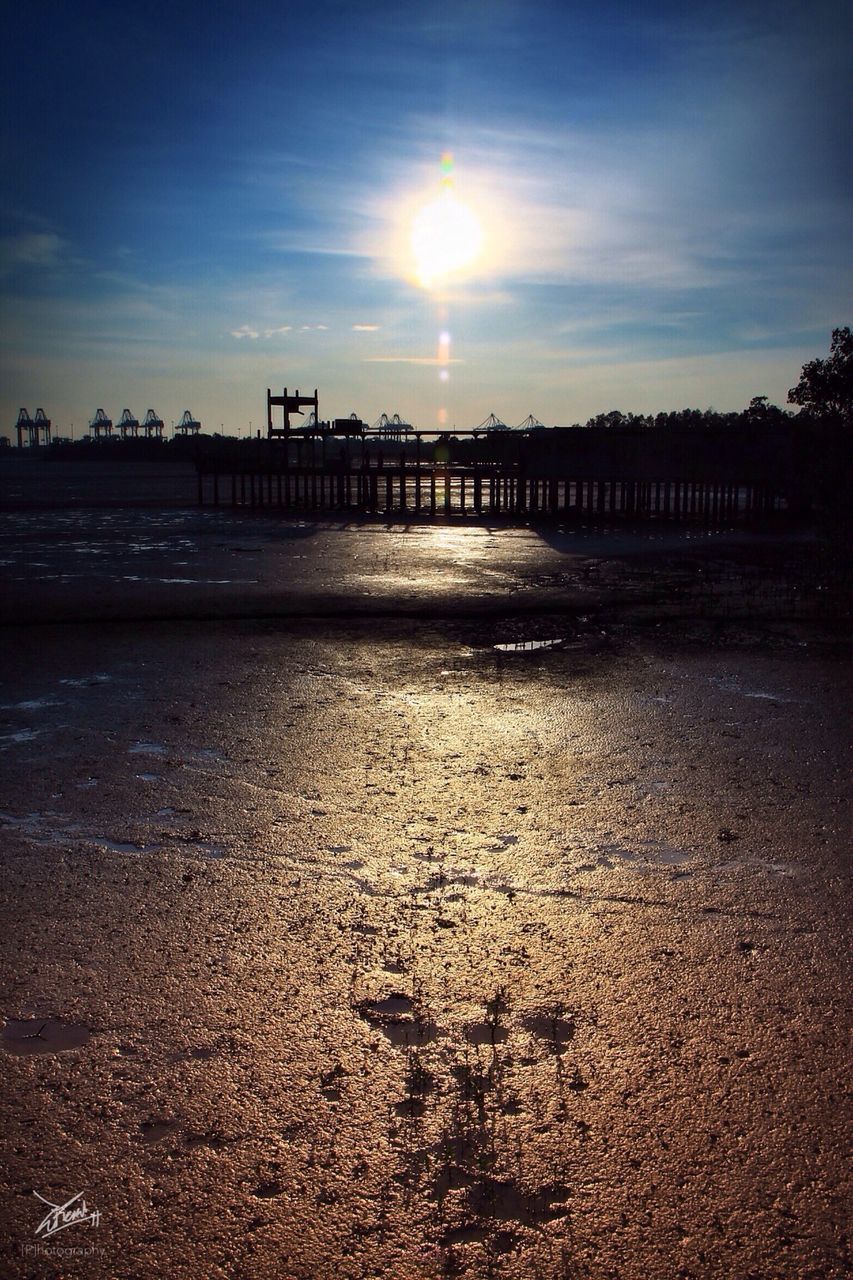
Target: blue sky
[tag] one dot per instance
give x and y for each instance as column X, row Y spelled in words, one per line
column 204, row 200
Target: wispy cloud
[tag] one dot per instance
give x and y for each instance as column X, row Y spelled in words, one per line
column 433, row 360
column 365, row 328
column 299, row 242
column 32, row 249
column 248, row 331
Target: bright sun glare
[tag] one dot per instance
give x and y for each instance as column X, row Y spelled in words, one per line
column 445, row 237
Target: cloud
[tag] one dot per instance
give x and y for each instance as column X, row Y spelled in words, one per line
column 304, row 242
column 246, row 331
column 409, row 360
column 365, row 328
column 31, row 249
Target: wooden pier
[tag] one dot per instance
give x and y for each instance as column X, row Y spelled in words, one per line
column 404, row 489
column 709, row 477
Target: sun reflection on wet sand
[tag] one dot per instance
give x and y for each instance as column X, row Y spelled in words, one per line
column 496, row 929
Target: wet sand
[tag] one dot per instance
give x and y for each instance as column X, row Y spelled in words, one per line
column 341, row 944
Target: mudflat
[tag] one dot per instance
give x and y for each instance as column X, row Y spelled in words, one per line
column 421, row 901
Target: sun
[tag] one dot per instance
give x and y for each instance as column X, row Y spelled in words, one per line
column 445, row 237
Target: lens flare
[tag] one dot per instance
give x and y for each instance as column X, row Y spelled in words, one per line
column 446, row 236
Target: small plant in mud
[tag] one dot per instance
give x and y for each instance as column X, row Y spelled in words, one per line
column 330, row 1082
column 497, row 1006
column 419, row 1079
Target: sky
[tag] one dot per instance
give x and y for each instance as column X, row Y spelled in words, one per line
column 201, row 201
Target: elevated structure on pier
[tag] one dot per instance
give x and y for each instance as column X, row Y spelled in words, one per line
column 529, row 423
column 37, row 429
column 351, row 426
column 492, row 423
column 188, row 425
column 152, row 425
column 101, row 425
column 289, row 404
column 128, row 425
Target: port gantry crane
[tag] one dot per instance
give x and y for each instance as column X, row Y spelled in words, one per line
column 127, row 424
column 188, row 425
column 34, row 428
column 494, row 423
column 393, row 428
column 24, row 424
column 152, row 425
column 101, row 425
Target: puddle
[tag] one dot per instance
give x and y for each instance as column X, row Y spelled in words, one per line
column 641, row 855
column 147, row 749
column 528, row 646
column 50, row 829
column 731, row 684
column 150, row 777
column 42, row 1035
column 85, row 682
column 392, row 1008
column 45, row 829
column 207, row 849
column 667, row 855
column 154, row 1131
column 395, row 1017
column 787, row 870
column 22, row 735
column 120, row 846
column 32, row 704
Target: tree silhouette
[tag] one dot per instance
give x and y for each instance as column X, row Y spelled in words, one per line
column 825, row 389
column 761, row 412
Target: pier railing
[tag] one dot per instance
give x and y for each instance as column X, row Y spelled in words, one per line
column 428, row 489
column 583, row 474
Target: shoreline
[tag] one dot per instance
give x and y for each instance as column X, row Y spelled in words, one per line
column 338, row 940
